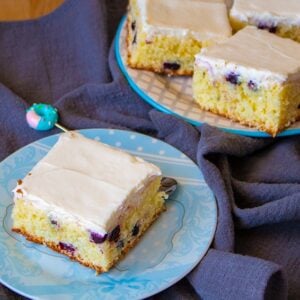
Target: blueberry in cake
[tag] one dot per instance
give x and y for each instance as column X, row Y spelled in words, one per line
column 164, row 35
column 88, row 200
column 276, row 16
column 253, row 78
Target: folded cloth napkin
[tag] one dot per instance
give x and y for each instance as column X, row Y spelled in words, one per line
column 66, row 58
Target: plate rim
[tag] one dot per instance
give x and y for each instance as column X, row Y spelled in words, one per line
column 250, row 133
column 122, row 131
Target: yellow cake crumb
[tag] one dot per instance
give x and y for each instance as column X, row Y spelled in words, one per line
column 268, row 109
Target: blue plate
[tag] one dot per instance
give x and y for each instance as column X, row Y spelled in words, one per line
column 173, row 95
column 167, row 252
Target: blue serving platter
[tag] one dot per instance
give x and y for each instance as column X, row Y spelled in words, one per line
column 173, row 95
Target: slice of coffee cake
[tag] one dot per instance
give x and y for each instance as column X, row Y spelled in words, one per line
column 164, row 35
column 88, row 200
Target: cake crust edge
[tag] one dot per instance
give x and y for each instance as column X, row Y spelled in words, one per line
column 98, row 269
column 148, row 68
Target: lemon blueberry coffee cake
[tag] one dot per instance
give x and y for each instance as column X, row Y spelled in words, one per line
column 164, row 35
column 88, row 200
column 253, row 78
column 277, row 16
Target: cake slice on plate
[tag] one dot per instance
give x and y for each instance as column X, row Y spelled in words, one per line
column 164, row 35
column 88, row 200
column 253, row 78
column 277, row 16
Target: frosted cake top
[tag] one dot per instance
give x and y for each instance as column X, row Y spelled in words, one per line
column 203, row 19
column 287, row 11
column 260, row 50
column 85, row 179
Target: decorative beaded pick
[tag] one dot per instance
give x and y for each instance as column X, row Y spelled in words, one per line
column 42, row 117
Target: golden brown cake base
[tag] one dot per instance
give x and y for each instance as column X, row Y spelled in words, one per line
column 77, row 258
column 162, row 54
column 268, row 109
column 92, row 249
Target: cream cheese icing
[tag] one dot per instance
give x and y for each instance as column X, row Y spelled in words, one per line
column 201, row 19
column 254, row 53
column 271, row 11
column 84, row 180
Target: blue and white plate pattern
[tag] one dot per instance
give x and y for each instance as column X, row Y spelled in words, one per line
column 173, row 95
column 168, row 251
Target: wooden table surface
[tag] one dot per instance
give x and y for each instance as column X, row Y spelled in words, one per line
column 16, row 10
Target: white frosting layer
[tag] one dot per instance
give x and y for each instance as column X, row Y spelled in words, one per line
column 87, row 181
column 201, row 19
column 253, row 54
column 271, row 12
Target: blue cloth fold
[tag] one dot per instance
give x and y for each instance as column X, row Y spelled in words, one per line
column 261, row 280
column 67, row 59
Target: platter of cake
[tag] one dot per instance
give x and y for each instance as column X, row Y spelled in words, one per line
column 234, row 67
column 99, row 214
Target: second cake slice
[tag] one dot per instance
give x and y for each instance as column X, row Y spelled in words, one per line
column 276, row 16
column 253, row 78
column 164, row 35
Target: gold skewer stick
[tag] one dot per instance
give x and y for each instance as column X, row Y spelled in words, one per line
column 61, row 127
